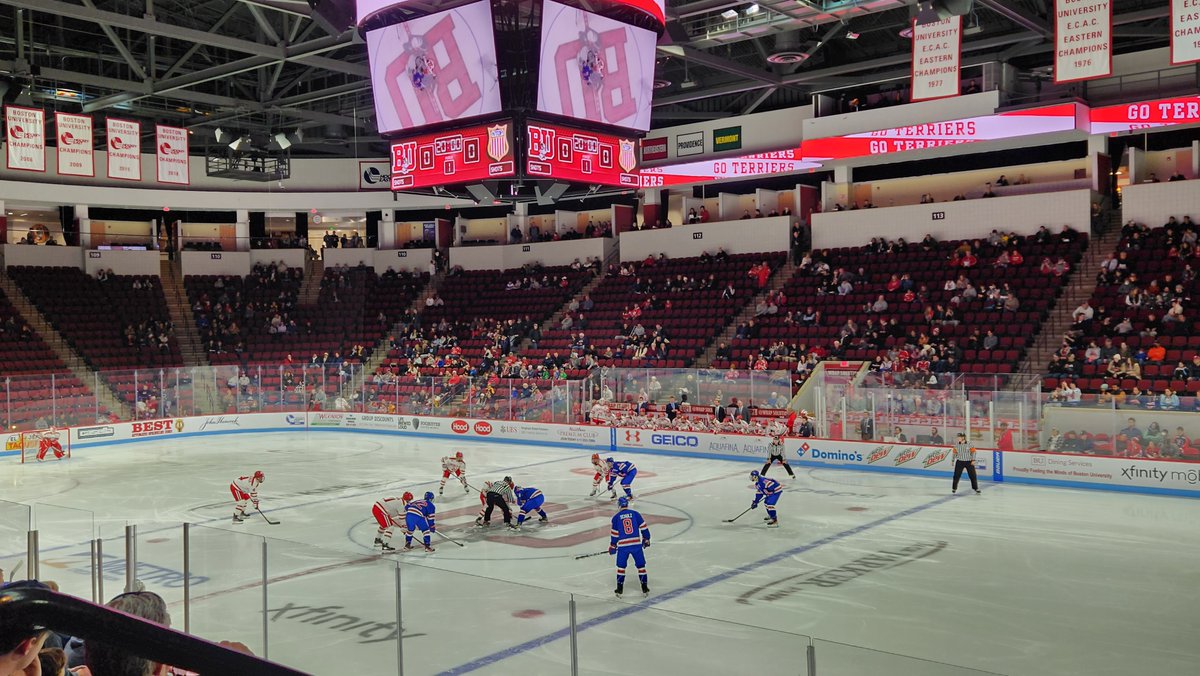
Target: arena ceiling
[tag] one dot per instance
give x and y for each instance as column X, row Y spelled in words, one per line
column 268, row 66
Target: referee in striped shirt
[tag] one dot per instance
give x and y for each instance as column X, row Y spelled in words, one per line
column 964, row 458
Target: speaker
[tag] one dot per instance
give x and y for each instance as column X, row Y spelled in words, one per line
column 676, row 33
column 933, row 11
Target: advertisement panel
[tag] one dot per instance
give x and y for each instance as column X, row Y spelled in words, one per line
column 124, row 149
column 1162, row 476
column 76, row 152
column 581, row 156
column 699, row 443
column 1185, row 32
column 172, row 155
column 374, row 175
column 595, row 68
column 744, row 166
column 727, row 138
column 1082, row 40
column 936, row 58
column 654, row 149
column 691, row 143
column 462, row 155
column 437, row 68
column 1145, row 115
column 26, row 138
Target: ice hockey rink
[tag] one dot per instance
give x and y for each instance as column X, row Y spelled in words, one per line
column 1018, row 580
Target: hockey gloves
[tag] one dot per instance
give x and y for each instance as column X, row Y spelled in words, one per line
column 612, row 549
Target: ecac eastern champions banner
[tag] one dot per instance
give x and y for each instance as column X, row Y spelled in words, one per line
column 937, row 55
column 172, row 155
column 26, row 138
column 1082, row 40
column 76, row 152
column 1185, row 31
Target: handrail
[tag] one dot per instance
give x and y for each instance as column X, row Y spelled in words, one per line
column 25, row 610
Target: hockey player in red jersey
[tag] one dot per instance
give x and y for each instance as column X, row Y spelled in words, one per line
column 454, row 464
column 245, row 489
column 389, row 512
column 602, row 469
column 49, row 442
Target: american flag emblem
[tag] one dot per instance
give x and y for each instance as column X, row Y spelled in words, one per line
column 497, row 142
column 627, row 158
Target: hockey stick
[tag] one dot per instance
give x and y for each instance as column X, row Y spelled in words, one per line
column 264, row 516
column 738, row 516
column 12, row 575
column 588, row 556
column 447, row 537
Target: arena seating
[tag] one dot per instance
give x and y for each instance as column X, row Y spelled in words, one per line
column 34, row 398
column 928, row 268
column 1151, row 255
column 693, row 319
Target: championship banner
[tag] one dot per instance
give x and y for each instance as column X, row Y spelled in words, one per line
column 1185, row 31
column 76, row 152
column 172, row 154
column 26, row 138
column 1082, row 40
column 124, row 149
column 936, row 59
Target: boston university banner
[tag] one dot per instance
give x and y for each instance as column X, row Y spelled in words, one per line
column 1082, row 40
column 936, row 59
column 76, row 151
column 172, row 154
column 26, row 138
column 124, row 149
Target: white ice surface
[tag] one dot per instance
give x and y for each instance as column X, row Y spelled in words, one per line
column 1020, row 580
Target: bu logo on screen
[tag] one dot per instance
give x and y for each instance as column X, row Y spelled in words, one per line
column 541, row 143
column 404, row 157
column 497, row 147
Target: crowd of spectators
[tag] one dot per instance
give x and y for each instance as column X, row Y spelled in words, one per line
column 262, row 301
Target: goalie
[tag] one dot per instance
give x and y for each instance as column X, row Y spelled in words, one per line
column 49, row 442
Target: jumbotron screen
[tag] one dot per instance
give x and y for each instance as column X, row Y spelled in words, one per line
column 365, row 9
column 466, row 155
column 594, row 68
column 578, row 156
column 438, row 68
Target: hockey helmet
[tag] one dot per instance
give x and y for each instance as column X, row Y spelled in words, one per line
column 407, row 497
column 429, row 496
column 458, row 455
column 610, row 461
column 595, row 456
column 754, row 475
column 508, row 480
column 259, row 476
column 622, row 502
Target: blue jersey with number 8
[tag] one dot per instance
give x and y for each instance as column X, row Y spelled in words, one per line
column 629, row 529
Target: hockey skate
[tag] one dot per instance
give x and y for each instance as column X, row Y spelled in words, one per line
column 619, row 590
column 440, row 492
column 595, row 490
column 645, row 589
column 480, row 522
column 378, row 541
column 773, row 523
column 385, row 547
column 466, row 488
column 612, row 495
column 513, row 526
column 429, row 549
column 408, row 546
column 544, row 519
column 238, row 519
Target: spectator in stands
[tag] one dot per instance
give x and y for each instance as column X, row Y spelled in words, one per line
column 1128, row 432
column 103, row 659
column 879, row 306
column 1054, row 442
column 19, row 650
column 1157, row 353
column 987, row 192
column 1180, row 445
column 1168, row 400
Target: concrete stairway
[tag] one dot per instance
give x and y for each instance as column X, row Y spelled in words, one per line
column 380, row 353
column 777, row 281
column 190, row 345
column 75, row 363
column 1079, row 287
column 310, row 289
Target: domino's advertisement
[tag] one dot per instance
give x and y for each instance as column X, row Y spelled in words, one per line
column 1154, row 476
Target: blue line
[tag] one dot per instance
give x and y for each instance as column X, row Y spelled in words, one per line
column 675, row 593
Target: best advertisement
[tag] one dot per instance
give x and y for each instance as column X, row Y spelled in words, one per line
column 124, row 149
column 26, row 138
column 76, row 154
column 1082, row 40
column 1185, row 31
column 172, row 157
column 936, row 58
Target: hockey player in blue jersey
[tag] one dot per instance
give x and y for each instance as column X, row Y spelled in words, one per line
column 629, row 536
column 419, row 517
column 626, row 471
column 768, row 491
column 530, row 500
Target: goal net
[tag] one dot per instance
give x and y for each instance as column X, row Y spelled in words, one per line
column 32, row 444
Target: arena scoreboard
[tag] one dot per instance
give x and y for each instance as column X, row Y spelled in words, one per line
column 464, row 155
column 579, row 156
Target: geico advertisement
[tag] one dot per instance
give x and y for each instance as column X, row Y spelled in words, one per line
column 905, row 457
column 672, row 441
column 1161, row 474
